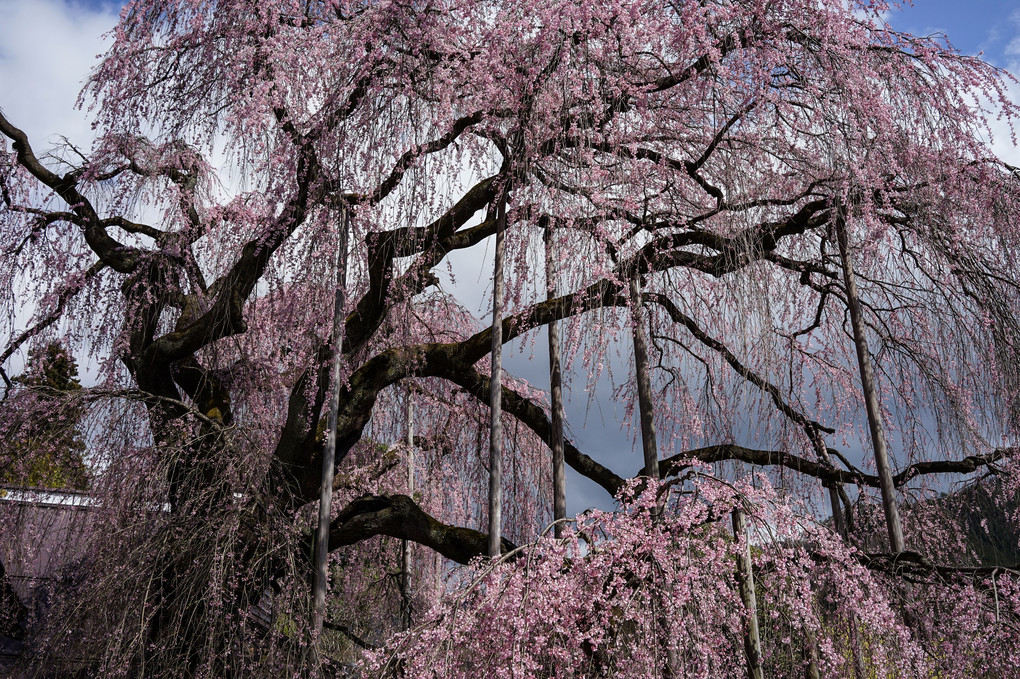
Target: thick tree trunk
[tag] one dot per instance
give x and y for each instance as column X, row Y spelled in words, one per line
column 745, row 582
column 329, row 454
column 556, row 394
column 644, row 384
column 496, row 390
column 878, row 440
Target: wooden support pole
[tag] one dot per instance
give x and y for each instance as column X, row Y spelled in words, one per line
column 555, row 394
column 644, row 384
column 878, row 439
column 745, row 583
column 329, row 454
column 496, row 391
column 405, row 546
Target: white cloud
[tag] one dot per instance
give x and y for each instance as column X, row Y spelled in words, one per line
column 1012, row 50
column 1002, row 143
column 47, row 48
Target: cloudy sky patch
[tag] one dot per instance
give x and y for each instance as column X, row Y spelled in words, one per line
column 47, row 48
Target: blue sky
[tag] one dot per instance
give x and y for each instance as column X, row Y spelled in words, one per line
column 973, row 26
column 48, row 46
column 70, row 31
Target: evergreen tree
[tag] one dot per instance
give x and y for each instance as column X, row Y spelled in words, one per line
column 43, row 423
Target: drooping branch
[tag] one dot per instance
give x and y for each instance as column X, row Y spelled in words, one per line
column 811, row 427
column 225, row 315
column 113, row 253
column 407, row 160
column 536, row 419
column 730, row 451
column 398, row 516
column 703, row 64
column 914, row 566
column 49, row 319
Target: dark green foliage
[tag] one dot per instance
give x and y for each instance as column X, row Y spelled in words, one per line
column 42, row 424
column 51, row 367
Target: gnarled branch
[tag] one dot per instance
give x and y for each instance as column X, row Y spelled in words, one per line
column 398, row 516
